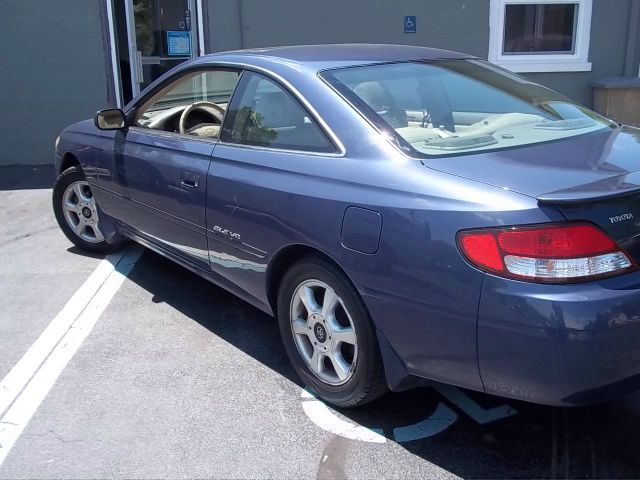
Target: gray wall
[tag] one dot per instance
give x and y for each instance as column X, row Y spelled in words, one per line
column 452, row 24
column 52, row 72
column 461, row 25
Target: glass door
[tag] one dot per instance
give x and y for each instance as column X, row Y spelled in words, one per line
column 161, row 35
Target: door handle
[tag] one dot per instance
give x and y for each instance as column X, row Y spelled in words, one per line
column 190, row 180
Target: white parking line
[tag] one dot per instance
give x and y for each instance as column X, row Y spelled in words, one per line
column 21, row 373
column 29, row 381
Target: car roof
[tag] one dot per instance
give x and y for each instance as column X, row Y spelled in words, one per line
column 320, row 57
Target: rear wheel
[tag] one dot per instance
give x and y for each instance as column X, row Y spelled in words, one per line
column 77, row 213
column 328, row 334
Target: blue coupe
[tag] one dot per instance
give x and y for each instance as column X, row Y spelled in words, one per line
column 407, row 214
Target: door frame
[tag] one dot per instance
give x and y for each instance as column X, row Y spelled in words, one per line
column 197, row 44
column 135, row 60
column 113, row 47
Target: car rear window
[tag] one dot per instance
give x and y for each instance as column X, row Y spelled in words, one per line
column 452, row 107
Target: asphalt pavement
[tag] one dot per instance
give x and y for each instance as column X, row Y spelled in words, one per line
column 177, row 378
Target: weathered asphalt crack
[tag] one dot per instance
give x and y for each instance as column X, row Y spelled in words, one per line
column 17, row 238
column 54, row 433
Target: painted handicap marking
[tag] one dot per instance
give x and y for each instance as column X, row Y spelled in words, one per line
column 439, row 420
column 476, row 412
column 326, row 419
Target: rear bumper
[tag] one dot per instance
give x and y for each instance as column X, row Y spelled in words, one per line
column 560, row 344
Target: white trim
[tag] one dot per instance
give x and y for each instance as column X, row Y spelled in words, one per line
column 576, row 62
column 200, row 20
column 193, row 28
column 115, row 64
column 135, row 63
column 540, row 65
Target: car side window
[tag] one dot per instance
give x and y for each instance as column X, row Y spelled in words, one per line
column 262, row 113
column 195, row 104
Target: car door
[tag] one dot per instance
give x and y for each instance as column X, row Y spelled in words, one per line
column 161, row 161
column 261, row 182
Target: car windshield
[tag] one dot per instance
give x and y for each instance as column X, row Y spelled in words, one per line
column 449, row 107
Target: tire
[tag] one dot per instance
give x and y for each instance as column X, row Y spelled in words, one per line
column 73, row 204
column 333, row 350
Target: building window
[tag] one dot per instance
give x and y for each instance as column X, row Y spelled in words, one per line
column 540, row 35
column 544, row 28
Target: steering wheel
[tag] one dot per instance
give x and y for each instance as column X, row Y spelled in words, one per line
column 213, row 108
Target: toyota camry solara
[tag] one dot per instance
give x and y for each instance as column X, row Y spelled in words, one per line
column 408, row 214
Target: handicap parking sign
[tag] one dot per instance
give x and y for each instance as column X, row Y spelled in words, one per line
column 410, row 24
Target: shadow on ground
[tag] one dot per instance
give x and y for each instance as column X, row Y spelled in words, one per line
column 537, row 442
column 27, row 177
column 78, row 251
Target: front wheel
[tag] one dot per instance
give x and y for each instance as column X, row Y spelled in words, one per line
column 328, row 334
column 77, row 213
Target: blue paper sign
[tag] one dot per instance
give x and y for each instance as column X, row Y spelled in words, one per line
column 410, row 24
column 179, row 43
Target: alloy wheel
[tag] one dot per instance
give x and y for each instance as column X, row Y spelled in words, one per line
column 323, row 332
column 81, row 213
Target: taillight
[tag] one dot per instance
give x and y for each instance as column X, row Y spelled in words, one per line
column 564, row 252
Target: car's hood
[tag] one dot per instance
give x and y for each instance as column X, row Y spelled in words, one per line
column 596, row 165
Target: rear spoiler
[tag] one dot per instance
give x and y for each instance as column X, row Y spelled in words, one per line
column 609, row 187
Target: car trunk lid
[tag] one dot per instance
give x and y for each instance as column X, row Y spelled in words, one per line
column 618, row 216
column 593, row 177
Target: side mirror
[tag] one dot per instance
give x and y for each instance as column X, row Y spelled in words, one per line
column 110, row 119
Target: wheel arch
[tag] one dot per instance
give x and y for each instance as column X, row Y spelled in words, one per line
column 283, row 259
column 394, row 370
column 68, row 160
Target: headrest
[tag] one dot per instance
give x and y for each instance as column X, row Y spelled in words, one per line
column 277, row 110
column 373, row 95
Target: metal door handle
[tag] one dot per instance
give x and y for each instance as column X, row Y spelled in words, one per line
column 190, row 180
